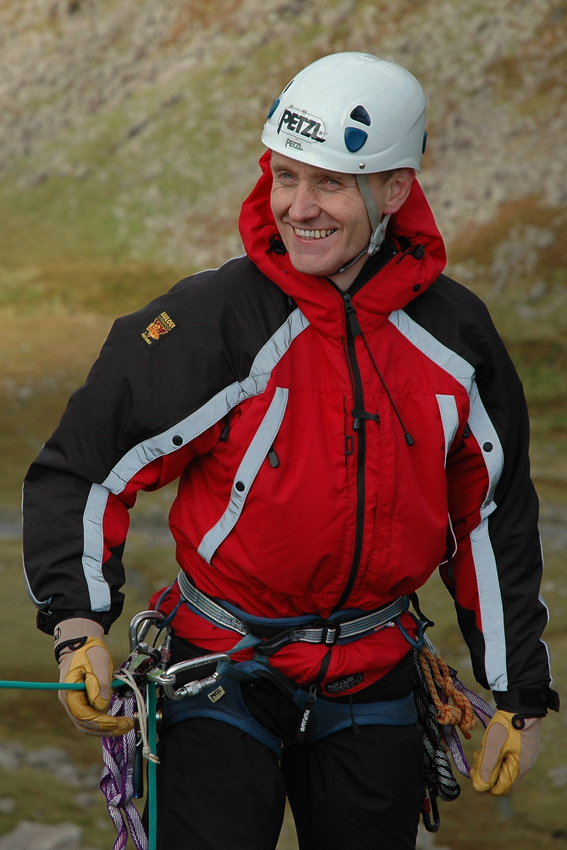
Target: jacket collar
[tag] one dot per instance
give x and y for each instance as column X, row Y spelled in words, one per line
column 408, row 274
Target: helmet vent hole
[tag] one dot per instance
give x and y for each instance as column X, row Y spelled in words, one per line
column 360, row 114
column 273, row 108
column 355, row 138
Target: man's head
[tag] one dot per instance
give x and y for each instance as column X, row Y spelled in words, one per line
column 348, row 117
column 322, row 217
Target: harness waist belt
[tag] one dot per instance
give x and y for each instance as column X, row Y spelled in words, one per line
column 344, row 625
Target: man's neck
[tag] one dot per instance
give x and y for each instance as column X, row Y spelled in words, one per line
column 368, row 267
column 344, row 279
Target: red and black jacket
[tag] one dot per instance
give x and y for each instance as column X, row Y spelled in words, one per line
column 283, row 407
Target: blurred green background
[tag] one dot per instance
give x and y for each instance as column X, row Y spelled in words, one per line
column 129, row 135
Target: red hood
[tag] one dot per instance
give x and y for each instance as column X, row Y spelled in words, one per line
column 395, row 285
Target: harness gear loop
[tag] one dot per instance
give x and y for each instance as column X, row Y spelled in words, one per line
column 461, row 712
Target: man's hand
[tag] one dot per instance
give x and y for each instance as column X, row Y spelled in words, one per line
column 507, row 753
column 83, row 657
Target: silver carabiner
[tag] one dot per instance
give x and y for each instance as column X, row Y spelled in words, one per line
column 145, row 620
column 167, row 680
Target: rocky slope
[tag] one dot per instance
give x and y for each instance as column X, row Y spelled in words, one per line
column 152, row 110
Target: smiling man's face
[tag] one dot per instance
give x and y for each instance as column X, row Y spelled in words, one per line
column 321, row 217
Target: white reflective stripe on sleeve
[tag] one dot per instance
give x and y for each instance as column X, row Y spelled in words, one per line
column 93, row 548
column 144, row 453
column 485, row 434
column 249, row 467
column 449, row 418
column 446, row 359
column 214, row 410
column 490, row 599
column 543, row 602
column 37, row 602
column 491, row 610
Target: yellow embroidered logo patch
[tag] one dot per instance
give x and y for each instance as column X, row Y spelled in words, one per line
column 160, row 327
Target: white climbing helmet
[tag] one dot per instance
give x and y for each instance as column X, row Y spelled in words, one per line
column 352, row 113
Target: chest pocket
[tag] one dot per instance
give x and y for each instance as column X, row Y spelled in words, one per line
column 449, row 419
column 246, row 473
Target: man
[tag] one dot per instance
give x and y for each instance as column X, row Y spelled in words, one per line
column 342, row 418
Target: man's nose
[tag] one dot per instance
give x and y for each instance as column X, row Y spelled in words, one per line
column 304, row 205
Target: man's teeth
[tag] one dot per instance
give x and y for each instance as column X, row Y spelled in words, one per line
column 313, row 234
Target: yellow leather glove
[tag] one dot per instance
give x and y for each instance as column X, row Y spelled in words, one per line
column 83, row 657
column 506, row 754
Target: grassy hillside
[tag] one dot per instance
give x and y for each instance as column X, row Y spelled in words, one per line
column 129, row 135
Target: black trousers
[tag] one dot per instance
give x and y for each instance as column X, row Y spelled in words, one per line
column 220, row 789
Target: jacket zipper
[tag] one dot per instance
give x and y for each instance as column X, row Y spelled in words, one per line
column 359, row 425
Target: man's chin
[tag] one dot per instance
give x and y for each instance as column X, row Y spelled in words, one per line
column 312, row 266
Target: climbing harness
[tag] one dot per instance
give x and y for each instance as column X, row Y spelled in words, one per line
column 218, row 694
column 439, row 705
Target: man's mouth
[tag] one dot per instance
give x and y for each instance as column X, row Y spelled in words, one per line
column 313, row 234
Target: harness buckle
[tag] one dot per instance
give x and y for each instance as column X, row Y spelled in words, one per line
column 331, row 632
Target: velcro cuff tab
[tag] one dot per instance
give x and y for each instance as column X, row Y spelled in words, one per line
column 530, row 701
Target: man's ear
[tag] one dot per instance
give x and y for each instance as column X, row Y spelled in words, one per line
column 398, row 190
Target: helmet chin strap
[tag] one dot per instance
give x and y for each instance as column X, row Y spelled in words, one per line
column 378, row 225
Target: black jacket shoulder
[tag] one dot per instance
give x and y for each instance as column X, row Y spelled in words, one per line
column 162, row 363
column 460, row 320
column 233, row 308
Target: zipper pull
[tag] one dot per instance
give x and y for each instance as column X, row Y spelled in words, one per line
column 358, row 413
column 309, row 706
column 351, row 315
column 273, row 458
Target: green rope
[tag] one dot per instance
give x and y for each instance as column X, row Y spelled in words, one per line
column 152, row 795
column 50, row 686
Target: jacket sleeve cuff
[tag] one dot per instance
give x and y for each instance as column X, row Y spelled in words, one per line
column 46, row 621
column 531, row 701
